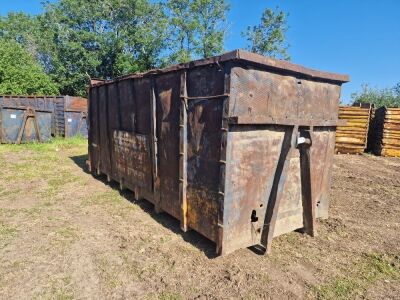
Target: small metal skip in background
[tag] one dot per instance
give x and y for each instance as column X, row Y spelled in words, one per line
column 30, row 118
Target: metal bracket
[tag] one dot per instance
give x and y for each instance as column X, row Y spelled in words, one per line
column 29, row 113
column 309, row 207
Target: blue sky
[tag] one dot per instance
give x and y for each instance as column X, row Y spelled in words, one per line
column 356, row 37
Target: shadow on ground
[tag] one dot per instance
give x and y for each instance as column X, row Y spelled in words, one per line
column 164, row 219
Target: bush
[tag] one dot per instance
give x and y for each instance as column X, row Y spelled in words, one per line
column 389, row 97
column 20, row 74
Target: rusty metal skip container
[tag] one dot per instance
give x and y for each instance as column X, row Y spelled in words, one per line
column 26, row 119
column 38, row 118
column 238, row 147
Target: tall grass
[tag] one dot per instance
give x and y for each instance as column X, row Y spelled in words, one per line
column 55, row 144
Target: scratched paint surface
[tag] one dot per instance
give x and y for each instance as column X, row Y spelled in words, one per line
column 75, row 124
column 44, row 122
column 204, row 138
column 259, row 93
column 132, row 158
column 12, row 121
column 252, row 158
column 11, row 124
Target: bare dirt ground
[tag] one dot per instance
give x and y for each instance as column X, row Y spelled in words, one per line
column 67, row 235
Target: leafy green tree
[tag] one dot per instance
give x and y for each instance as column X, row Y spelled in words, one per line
column 389, row 97
column 81, row 39
column 21, row 28
column 197, row 28
column 140, row 27
column 268, row 37
column 102, row 39
column 210, row 21
column 182, row 26
column 20, row 74
column 396, row 89
column 77, row 39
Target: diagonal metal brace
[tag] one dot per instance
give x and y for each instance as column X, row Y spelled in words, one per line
column 276, row 195
column 29, row 113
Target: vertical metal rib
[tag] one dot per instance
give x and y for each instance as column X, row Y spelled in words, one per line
column 183, row 152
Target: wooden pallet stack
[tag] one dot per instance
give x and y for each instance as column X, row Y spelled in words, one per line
column 385, row 132
column 352, row 137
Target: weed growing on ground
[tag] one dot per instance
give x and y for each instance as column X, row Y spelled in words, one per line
column 6, row 233
column 367, row 270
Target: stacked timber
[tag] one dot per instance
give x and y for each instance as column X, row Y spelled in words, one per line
column 385, row 132
column 352, row 137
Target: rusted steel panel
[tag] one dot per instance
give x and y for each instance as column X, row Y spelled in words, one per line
column 167, row 88
column 113, row 121
column 72, row 118
column 252, row 158
column 94, row 140
column 76, row 104
column 321, row 151
column 20, row 126
column 204, row 139
column 237, row 147
column 127, row 107
column 44, row 125
column 290, row 211
column 75, row 124
column 132, row 159
column 105, row 142
column 257, row 95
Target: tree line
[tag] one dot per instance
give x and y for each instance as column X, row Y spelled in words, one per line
column 58, row 50
column 389, row 97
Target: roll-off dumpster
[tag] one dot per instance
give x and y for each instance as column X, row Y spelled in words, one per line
column 238, row 147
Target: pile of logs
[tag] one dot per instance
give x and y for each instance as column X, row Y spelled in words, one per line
column 384, row 138
column 352, row 137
